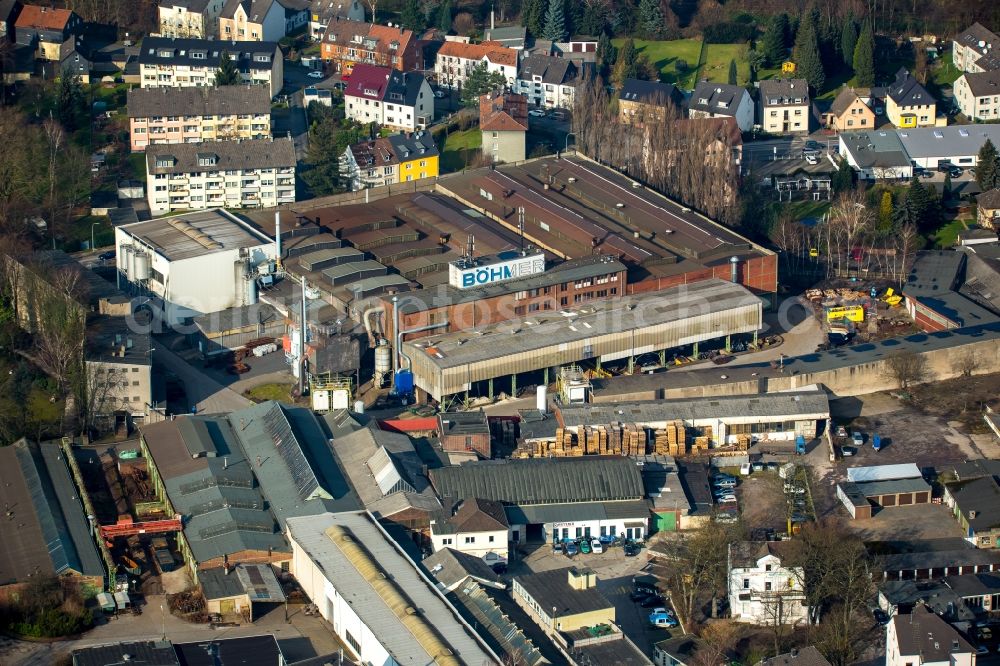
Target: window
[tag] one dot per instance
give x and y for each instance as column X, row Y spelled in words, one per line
column 352, row 641
column 767, row 586
column 470, row 539
column 746, row 583
column 491, row 538
column 446, row 542
column 767, row 567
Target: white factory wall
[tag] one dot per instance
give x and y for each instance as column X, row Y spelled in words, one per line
column 336, row 610
column 477, row 544
column 595, row 528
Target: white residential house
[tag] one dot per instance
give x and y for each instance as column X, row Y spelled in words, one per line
column 476, row 527
column 184, row 63
column 978, row 95
column 256, row 173
column 924, row 639
column 784, row 105
column 456, row 60
column 762, row 590
column 721, row 100
column 196, row 19
column 974, row 50
column 548, row 81
column 394, row 99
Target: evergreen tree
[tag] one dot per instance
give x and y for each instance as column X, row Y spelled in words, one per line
column 69, row 100
column 555, row 21
column 946, row 188
column 885, row 213
column 918, row 207
column 626, row 64
column 532, row 13
column 444, row 17
column 733, row 75
column 606, row 53
column 481, row 81
column 651, row 23
column 412, row 17
column 774, row 45
column 594, row 18
column 848, row 40
column 227, row 75
column 843, row 180
column 864, row 57
column 623, row 19
column 988, row 167
column 808, row 63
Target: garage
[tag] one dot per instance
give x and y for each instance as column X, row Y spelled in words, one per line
column 897, row 492
column 882, row 486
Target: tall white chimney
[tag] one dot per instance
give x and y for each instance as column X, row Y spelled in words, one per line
column 277, row 237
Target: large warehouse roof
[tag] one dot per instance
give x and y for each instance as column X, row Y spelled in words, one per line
column 368, row 569
column 195, row 234
column 800, row 403
column 541, row 480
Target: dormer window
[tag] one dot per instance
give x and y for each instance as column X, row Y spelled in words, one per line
column 198, row 55
column 166, row 53
column 369, row 91
column 703, row 100
column 164, row 161
column 207, row 159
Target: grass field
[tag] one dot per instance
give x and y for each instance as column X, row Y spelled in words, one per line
column 277, row 392
column 663, row 56
column 946, row 236
column 716, row 65
column 459, row 148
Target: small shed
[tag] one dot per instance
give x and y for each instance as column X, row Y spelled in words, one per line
column 106, row 602
column 235, row 590
column 854, row 501
column 122, row 601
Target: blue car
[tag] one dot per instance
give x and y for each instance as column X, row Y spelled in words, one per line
column 570, row 549
column 607, row 538
column 662, row 618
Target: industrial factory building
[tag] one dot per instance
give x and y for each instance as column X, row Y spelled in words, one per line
column 606, row 330
column 192, row 264
column 555, row 498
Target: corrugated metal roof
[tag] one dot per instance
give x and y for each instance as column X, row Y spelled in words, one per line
column 883, row 472
column 167, row 235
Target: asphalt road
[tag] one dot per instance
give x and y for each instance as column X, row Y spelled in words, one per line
column 203, row 392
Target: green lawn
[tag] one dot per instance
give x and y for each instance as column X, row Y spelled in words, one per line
column 802, row 210
column 137, row 162
column 459, row 149
column 947, row 236
column 663, row 56
column 276, row 392
column 716, row 66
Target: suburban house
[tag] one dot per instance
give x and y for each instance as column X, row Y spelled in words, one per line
column 849, row 112
column 261, row 20
column 191, row 19
column 972, row 50
column 190, row 115
column 976, row 505
column 45, row 30
column 761, row 589
column 784, row 105
column 399, row 100
column 908, row 104
column 807, row 656
column 322, row 12
column 721, row 100
column 988, row 209
column 978, row 95
column 256, row 173
column 563, row 600
column 456, row 60
column 639, row 100
column 476, row 527
column 924, row 639
column 503, row 121
column 548, row 81
column 348, row 43
column 876, row 155
column 9, row 10
column 91, row 56
column 182, row 63
column 397, row 158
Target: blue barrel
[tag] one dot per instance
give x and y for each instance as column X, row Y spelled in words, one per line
column 404, row 382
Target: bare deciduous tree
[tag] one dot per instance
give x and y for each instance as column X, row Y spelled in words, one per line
column 907, row 368
column 966, row 363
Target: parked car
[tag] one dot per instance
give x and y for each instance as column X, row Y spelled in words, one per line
column 440, row 94
column 841, row 431
column 537, row 113
column 570, row 549
column 726, row 517
column 726, row 499
column 631, row 549
column 858, row 438
column 745, row 469
column 723, row 477
column 105, row 256
column 812, row 158
column 652, row 601
column 847, row 451
column 585, row 547
column 955, row 172
column 315, row 75
column 792, row 489
column 596, row 546
column 758, row 467
column 724, row 484
column 608, row 539
column 559, row 115
column 638, row 595
column 646, row 585
column 660, row 618
column 557, row 547
column 813, row 145
column 880, row 616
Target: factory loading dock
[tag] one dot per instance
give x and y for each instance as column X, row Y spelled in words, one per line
column 445, row 365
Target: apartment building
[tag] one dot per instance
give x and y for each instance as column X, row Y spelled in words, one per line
column 639, row 99
column 189, row 19
column 46, row 29
column 194, row 115
column 322, row 12
column 548, row 81
column 258, row 173
column 119, row 371
column 183, row 63
column 721, row 100
column 978, row 95
column 972, row 50
column 761, row 589
column 908, row 104
column 503, row 122
column 784, row 106
column 261, row 20
column 456, row 60
column 348, row 43
column 924, row 639
column 398, row 158
column 399, row 100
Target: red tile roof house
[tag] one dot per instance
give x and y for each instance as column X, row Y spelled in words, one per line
column 350, row 43
column 455, row 60
column 400, row 100
column 503, row 121
column 46, row 29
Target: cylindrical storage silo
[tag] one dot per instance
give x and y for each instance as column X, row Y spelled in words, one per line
column 359, row 407
column 251, row 297
column 541, row 398
column 383, row 360
column 141, row 266
column 131, row 265
column 126, row 261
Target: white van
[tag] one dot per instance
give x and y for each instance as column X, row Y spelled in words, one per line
column 745, row 469
column 596, row 546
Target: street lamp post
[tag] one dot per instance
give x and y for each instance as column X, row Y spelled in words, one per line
column 92, row 245
column 566, row 145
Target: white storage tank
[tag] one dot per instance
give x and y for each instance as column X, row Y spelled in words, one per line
column 383, row 360
column 541, row 398
column 359, row 407
column 125, row 263
column 141, row 266
column 251, row 288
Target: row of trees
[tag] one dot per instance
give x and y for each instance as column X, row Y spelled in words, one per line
column 689, row 161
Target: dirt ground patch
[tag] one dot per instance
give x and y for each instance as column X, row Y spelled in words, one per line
column 900, row 525
column 762, row 501
column 963, row 399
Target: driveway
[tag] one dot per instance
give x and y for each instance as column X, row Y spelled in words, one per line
column 203, row 392
column 292, row 122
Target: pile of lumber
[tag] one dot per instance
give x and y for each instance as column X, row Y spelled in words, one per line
column 671, row 440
